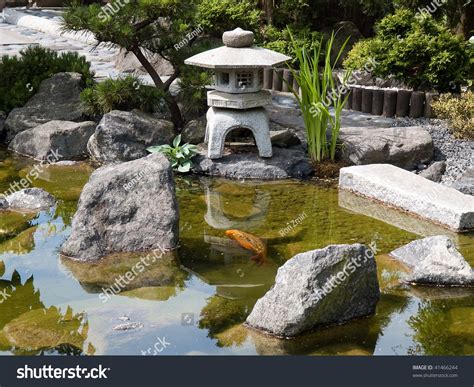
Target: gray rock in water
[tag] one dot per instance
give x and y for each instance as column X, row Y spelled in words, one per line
column 318, row 288
column 194, row 131
column 435, row 171
column 284, row 164
column 124, row 136
column 405, row 147
column 30, row 199
column 126, row 207
column 435, row 261
column 55, row 140
column 56, row 99
column 466, row 183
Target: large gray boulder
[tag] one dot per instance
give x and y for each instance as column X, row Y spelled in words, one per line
column 284, row 164
column 405, row 147
column 435, row 261
column 124, row 136
column 126, row 207
column 28, row 199
column 62, row 140
column 318, row 288
column 57, row 99
column 465, row 184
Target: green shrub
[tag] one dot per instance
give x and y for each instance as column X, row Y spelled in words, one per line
column 218, row 16
column 421, row 52
column 459, row 111
column 126, row 93
column 280, row 40
column 21, row 76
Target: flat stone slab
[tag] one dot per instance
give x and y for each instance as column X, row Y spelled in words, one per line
column 409, row 192
column 284, row 164
column 11, row 37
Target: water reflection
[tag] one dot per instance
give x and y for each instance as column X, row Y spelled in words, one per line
column 27, row 327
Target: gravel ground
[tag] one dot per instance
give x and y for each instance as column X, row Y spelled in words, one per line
column 458, row 154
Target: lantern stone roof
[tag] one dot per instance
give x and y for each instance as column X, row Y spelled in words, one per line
column 237, row 53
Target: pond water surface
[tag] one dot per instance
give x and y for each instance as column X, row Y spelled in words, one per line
column 194, row 301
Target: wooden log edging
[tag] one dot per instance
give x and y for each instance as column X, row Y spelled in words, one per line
column 376, row 101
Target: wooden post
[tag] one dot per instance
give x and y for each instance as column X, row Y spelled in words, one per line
column 377, row 102
column 296, row 87
column 348, row 105
column 403, row 103
column 367, row 100
column 389, row 103
column 429, row 99
column 417, row 101
column 287, row 81
column 357, row 99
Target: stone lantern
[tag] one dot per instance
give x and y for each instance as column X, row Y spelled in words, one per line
column 237, row 100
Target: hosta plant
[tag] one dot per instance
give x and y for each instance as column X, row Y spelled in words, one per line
column 179, row 155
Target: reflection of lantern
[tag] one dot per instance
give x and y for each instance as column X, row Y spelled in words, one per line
column 237, row 100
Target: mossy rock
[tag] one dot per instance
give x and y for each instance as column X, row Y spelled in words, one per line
column 2, row 268
column 62, row 181
column 46, row 329
column 220, row 313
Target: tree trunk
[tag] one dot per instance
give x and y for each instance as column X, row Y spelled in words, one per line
column 173, row 107
column 465, row 16
column 267, row 6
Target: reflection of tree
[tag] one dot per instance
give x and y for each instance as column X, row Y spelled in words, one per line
column 221, row 313
column 442, row 327
column 28, row 328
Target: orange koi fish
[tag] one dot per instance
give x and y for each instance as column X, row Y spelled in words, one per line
column 249, row 242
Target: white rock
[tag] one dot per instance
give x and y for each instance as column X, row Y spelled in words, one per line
column 410, row 192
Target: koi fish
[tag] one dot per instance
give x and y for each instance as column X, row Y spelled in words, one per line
column 249, row 242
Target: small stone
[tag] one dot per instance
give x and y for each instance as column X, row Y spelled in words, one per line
column 128, row 326
column 238, row 38
column 30, row 199
column 284, row 138
column 435, row 261
column 435, row 171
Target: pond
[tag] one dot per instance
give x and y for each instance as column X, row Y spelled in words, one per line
column 195, row 301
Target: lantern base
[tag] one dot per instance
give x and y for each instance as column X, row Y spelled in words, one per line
column 221, row 121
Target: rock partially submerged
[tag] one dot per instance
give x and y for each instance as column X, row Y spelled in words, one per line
column 435, row 261
column 68, row 140
column 124, row 136
column 284, row 164
column 125, row 207
column 57, row 99
column 409, row 192
column 28, row 199
column 318, row 288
